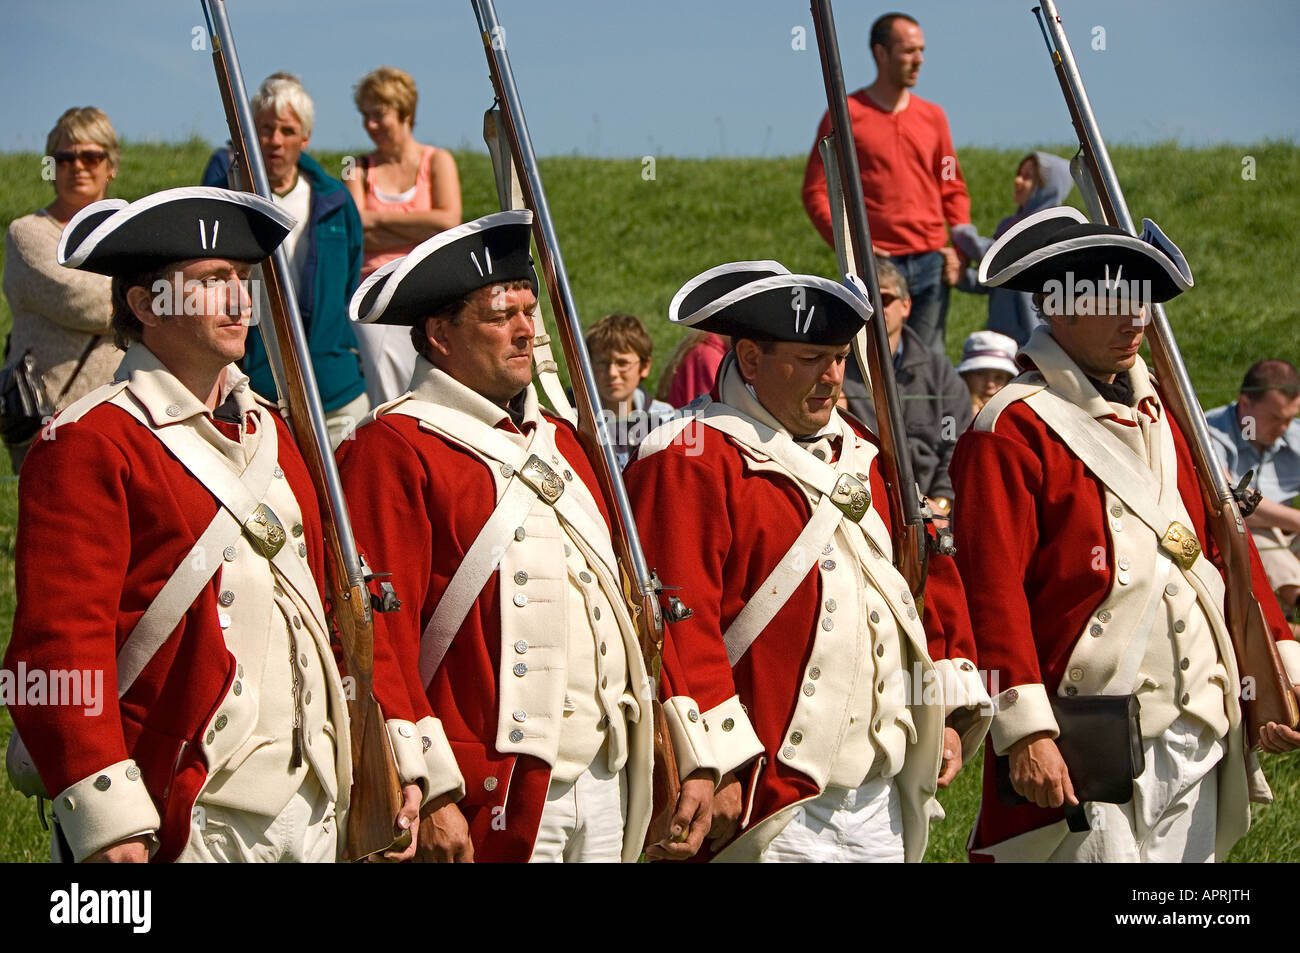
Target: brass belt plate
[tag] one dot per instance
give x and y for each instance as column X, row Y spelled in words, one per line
column 851, row 496
column 265, row 531
column 546, row 483
column 1181, row 544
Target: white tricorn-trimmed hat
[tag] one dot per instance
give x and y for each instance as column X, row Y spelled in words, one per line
column 490, row 250
column 763, row 301
column 114, row 237
column 1061, row 245
column 988, row 351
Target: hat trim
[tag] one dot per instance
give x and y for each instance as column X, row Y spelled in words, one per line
column 399, row 268
column 1047, row 215
column 788, row 280
column 705, row 276
column 125, row 212
column 1058, row 249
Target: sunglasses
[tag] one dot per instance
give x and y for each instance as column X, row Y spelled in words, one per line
column 89, row 157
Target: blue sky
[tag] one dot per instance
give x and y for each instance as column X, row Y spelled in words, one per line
column 661, row 77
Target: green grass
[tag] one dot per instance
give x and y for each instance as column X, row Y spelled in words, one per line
column 630, row 242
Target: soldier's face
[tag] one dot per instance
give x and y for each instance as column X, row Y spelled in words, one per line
column 197, row 314
column 490, row 349
column 1103, row 344
column 799, row 384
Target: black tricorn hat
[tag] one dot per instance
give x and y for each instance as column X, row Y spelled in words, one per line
column 114, row 237
column 780, row 307
column 489, row 250
column 1060, row 245
column 709, row 286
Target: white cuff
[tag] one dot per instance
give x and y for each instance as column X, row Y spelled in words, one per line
column 440, row 763
column 732, row 735
column 966, row 705
column 1289, row 651
column 1021, row 711
column 408, row 753
column 690, row 737
column 108, row 806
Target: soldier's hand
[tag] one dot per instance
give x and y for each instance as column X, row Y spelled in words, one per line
column 443, row 837
column 690, row 821
column 1038, row 772
column 135, row 850
column 951, row 757
column 727, row 805
column 408, row 819
column 1277, row 739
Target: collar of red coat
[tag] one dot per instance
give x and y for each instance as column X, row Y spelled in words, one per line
column 166, row 401
column 1042, row 353
column 435, row 386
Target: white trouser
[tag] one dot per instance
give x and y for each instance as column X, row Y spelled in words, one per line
column 304, row 832
column 582, row 822
column 861, row 825
column 1172, row 817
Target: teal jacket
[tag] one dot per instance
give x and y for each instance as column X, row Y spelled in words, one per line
column 332, row 270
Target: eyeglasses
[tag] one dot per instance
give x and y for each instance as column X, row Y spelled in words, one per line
column 621, row 365
column 89, row 157
column 886, row 299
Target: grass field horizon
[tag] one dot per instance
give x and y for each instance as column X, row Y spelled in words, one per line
column 629, row 242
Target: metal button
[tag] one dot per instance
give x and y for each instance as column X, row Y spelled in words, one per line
column 404, row 730
column 603, row 648
column 875, row 616
column 521, row 578
column 728, row 724
column 297, row 622
column 1171, row 589
column 693, row 715
column 819, row 453
column 306, row 699
column 1185, row 664
column 1123, row 578
column 828, row 549
column 584, row 576
column 1117, row 510
column 521, row 600
column 519, row 716
column 69, row 803
column 103, row 782
column 489, row 784
column 302, row 658
column 828, row 623
column 229, row 553
column 210, row 737
column 796, row 737
column 520, row 534
column 906, row 597
column 911, row 612
column 133, row 773
column 831, row 605
column 279, row 474
column 595, row 612
column 520, row 669
column 814, row 673
column 1117, row 525
column 521, row 646
column 173, row 410
column 1103, row 615
column 297, row 529
column 1095, row 629
column 1123, row 562
column 568, row 474
column 966, row 667
column 809, row 689
column 880, row 651
column 221, row 722
column 425, row 743
column 1180, row 625
column 516, row 735
column 1071, row 690
column 1186, row 698
column 1076, row 674
column 1010, row 696
column 226, row 597
column 507, row 470
column 787, row 752
column 828, row 564
column 238, row 688
column 302, row 549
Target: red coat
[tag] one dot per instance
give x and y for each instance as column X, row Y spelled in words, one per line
column 1030, row 519
column 418, row 502
column 716, row 530
column 105, row 516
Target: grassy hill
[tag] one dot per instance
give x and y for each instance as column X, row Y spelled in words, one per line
column 630, row 242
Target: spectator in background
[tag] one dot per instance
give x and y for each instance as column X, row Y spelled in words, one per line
column 988, row 362
column 692, row 368
column 62, row 316
column 1042, row 181
column 1260, row 434
column 620, row 349
column 911, row 181
column 324, row 251
column 936, row 404
column 406, row 192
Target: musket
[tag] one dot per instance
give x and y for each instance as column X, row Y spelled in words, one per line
column 376, row 793
column 641, row 586
column 1257, row 657
column 853, row 248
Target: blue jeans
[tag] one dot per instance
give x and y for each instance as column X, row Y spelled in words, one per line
column 924, row 274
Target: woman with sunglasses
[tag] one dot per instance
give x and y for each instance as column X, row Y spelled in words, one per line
column 60, row 315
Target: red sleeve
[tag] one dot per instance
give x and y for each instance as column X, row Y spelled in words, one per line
column 815, row 201
column 73, row 512
column 947, row 621
column 997, row 480
column 952, row 187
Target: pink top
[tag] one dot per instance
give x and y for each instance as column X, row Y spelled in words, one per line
column 421, row 201
column 695, row 375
